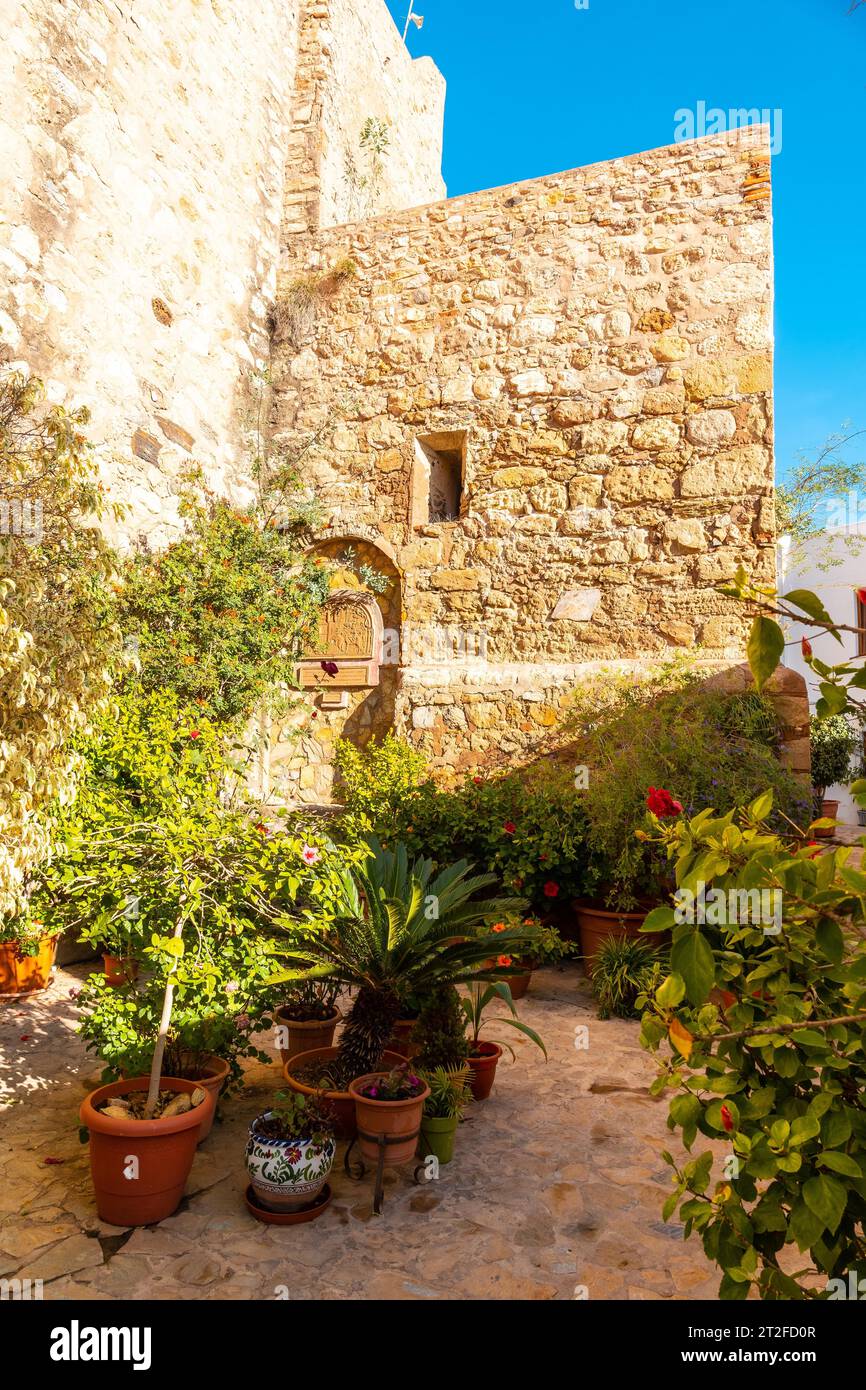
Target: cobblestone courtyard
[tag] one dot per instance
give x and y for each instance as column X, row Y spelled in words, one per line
column 556, row 1183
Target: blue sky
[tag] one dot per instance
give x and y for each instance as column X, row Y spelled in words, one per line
column 537, row 86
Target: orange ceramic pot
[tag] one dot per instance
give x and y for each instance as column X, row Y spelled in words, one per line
column 482, row 1069
column 212, row 1076
column 119, row 970
column 158, row 1154
column 305, row 1037
column 597, row 925
column 341, row 1102
column 26, row 974
column 398, row 1120
column 829, row 811
column 519, row 984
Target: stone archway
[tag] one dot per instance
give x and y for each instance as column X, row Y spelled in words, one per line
column 349, row 676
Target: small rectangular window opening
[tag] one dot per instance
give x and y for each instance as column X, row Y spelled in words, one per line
column 437, row 492
column 860, row 622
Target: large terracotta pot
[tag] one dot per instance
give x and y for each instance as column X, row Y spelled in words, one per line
column 398, row 1120
column 482, row 1069
column 829, row 810
column 597, row 925
column 119, row 970
column 341, row 1102
column 212, row 1076
column 519, row 984
column 304, row 1037
column 163, row 1151
column 26, row 974
column 287, row 1174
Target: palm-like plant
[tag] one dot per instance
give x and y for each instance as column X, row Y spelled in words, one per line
column 400, row 930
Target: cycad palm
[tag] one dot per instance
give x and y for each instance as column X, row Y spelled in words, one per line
column 400, row 930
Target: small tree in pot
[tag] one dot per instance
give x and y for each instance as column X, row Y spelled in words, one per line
column 833, row 743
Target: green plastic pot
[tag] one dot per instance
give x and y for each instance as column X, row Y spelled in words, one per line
column 437, row 1137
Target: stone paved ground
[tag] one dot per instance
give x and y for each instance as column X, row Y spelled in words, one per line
column 556, row 1182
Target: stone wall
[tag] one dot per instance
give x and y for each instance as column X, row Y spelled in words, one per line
column 151, row 156
column 600, row 342
column 353, row 66
column 139, row 230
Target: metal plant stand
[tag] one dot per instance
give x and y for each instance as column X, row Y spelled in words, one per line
column 357, row 1170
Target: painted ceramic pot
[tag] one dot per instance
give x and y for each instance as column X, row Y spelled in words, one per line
column 287, row 1174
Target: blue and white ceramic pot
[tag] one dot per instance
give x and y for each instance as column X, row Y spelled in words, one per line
column 287, row 1174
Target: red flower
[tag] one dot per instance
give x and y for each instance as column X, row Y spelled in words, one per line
column 806, row 647
column 551, row 889
column 194, row 733
column 330, row 668
column 478, row 781
column 727, row 1119
column 861, row 594
column 262, row 828
column 661, row 803
column 509, row 827
column 503, row 960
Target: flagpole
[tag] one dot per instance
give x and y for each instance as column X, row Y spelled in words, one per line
column 408, row 19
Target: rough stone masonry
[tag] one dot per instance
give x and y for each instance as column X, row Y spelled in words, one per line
column 542, row 414
column 587, row 360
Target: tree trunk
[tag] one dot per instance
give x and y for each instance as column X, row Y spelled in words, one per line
column 162, row 1036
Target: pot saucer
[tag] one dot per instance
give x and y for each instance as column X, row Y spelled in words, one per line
column 288, row 1218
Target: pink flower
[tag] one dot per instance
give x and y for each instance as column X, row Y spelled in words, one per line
column 310, row 855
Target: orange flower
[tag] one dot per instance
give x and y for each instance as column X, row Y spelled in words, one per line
column 499, row 926
column 503, row 960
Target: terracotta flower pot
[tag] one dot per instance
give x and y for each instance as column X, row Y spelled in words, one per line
column 212, row 1076
column 162, row 1150
column 400, row 1039
column 341, row 1102
column 398, row 1120
column 519, row 984
column 829, row 810
column 304, row 1037
column 597, row 925
column 287, row 1174
column 119, row 970
column 26, row 974
column 482, row 1069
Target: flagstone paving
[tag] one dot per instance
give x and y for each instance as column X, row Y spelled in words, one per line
column 556, row 1186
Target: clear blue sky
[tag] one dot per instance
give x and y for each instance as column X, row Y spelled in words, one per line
column 538, row 86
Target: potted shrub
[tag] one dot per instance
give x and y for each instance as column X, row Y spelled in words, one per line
column 450, row 1093
column 389, row 1105
column 548, row 948
column 143, row 1131
column 833, row 743
column 623, row 970
column 289, row 1154
column 665, row 744
column 439, row 1037
column 308, row 1019
column 398, row 931
column 484, row 1054
column 27, row 953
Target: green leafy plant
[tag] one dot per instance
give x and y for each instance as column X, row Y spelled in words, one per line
column 450, row 1093
column 378, row 783
column 760, row 1031
column 299, row 1117
column 623, row 970
column 833, row 744
column 439, row 1036
column 221, row 615
column 668, row 729
column 475, row 1004
column 399, row 930
column 60, row 644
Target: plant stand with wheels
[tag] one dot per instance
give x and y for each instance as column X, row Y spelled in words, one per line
column 358, row 1169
